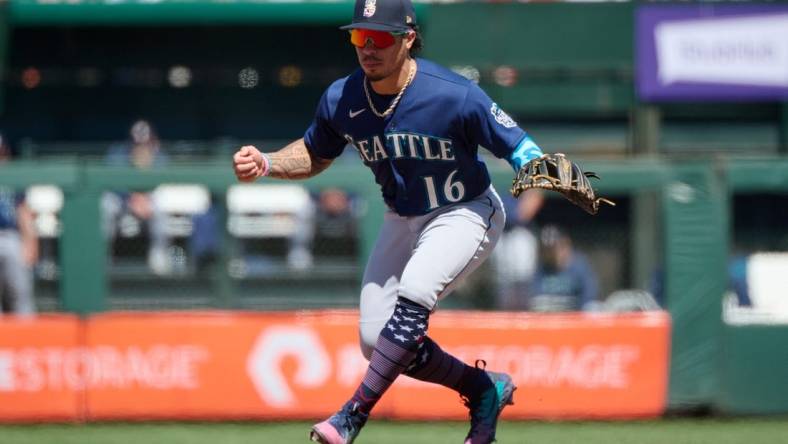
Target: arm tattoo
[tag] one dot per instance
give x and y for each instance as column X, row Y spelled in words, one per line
column 295, row 161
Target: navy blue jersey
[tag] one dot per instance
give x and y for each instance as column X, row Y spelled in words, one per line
column 425, row 154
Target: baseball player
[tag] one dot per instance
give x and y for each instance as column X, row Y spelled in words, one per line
column 418, row 127
column 18, row 248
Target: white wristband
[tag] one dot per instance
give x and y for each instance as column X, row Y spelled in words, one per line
column 266, row 165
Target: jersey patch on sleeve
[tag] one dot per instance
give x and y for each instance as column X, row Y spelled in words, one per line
column 501, row 116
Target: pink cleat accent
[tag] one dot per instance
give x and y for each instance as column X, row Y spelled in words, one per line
column 325, row 433
column 341, row 428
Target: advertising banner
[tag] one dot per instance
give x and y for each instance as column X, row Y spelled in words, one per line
column 296, row 365
column 219, row 365
column 712, row 52
column 40, row 369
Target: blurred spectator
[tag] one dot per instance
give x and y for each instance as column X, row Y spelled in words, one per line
column 335, row 216
column 737, row 275
column 204, row 241
column 299, row 250
column 564, row 280
column 656, row 286
column 18, row 248
column 143, row 150
column 336, row 224
column 125, row 213
column 515, row 257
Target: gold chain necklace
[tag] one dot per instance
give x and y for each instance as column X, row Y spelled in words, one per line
column 394, row 102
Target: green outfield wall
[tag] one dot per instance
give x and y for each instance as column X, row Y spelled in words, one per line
column 753, row 365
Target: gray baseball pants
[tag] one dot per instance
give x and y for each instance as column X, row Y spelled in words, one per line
column 423, row 258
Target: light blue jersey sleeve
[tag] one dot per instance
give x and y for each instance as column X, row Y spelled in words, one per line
column 526, row 151
column 489, row 126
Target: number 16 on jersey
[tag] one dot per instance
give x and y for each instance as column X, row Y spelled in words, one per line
column 452, row 191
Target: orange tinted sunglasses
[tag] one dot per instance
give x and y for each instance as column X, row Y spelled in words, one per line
column 380, row 39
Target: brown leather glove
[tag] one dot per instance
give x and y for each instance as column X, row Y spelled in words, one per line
column 555, row 172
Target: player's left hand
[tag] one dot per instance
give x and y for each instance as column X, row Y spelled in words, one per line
column 248, row 164
column 555, row 172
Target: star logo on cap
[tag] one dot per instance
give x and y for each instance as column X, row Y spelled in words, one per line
column 369, row 8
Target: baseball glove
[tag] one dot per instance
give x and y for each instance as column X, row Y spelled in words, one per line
column 557, row 173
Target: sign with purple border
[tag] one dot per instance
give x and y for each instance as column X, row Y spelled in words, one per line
column 712, row 52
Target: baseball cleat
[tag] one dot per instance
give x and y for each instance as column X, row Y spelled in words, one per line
column 341, row 428
column 485, row 408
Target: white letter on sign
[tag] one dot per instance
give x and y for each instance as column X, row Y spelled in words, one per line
column 7, row 383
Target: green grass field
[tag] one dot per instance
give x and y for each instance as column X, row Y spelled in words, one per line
column 672, row 431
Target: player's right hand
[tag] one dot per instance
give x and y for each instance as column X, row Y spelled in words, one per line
column 248, row 163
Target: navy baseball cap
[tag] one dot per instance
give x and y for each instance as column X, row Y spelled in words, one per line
column 383, row 15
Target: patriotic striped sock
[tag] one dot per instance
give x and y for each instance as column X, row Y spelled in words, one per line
column 394, row 351
column 432, row 364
